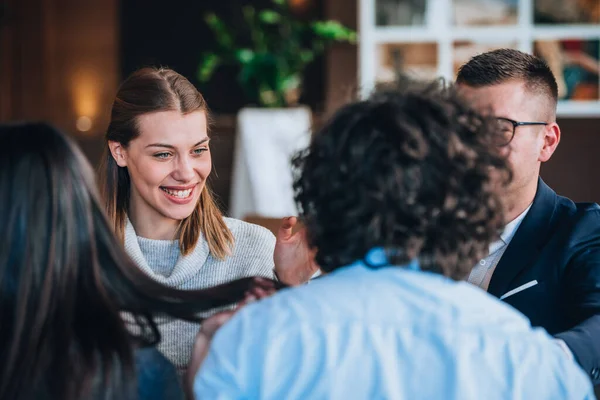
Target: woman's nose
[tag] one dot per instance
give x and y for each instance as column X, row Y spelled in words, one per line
column 184, row 170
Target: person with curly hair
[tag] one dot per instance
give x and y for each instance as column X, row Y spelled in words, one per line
column 399, row 194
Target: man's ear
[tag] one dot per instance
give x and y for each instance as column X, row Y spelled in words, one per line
column 118, row 153
column 551, row 140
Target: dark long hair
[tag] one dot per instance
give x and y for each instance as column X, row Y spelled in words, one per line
column 65, row 280
column 145, row 91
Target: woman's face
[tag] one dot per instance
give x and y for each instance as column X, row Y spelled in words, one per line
column 168, row 164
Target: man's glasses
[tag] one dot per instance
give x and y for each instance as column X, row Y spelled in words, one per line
column 507, row 128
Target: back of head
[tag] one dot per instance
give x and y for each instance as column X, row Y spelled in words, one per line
column 407, row 170
column 54, row 307
column 505, row 65
column 145, row 91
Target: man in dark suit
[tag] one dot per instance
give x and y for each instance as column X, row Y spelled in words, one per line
column 547, row 262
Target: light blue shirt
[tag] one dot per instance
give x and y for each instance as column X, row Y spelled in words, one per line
column 385, row 333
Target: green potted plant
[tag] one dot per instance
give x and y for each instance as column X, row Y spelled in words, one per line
column 272, row 61
column 272, row 51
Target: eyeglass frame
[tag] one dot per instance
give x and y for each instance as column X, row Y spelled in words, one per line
column 517, row 123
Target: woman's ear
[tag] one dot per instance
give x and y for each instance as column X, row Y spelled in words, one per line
column 118, row 153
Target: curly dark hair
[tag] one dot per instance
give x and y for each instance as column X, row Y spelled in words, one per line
column 412, row 169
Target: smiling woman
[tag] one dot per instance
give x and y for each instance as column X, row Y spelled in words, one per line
column 155, row 170
column 168, row 164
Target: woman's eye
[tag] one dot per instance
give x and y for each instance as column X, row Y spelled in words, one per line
column 162, row 155
column 200, row 150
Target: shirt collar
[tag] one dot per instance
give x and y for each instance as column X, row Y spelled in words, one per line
column 377, row 258
column 511, row 228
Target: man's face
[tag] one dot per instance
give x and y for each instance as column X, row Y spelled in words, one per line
column 528, row 148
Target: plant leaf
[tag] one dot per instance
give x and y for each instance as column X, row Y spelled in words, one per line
column 209, row 63
column 244, row 56
column 269, row 16
column 222, row 34
column 290, row 82
column 267, row 97
column 333, row 30
column 307, row 56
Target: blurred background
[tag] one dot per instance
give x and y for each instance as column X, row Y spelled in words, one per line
column 62, row 61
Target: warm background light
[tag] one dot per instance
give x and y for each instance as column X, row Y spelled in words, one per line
column 83, row 124
column 86, row 91
column 299, row 6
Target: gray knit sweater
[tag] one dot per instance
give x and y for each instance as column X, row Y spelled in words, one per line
column 252, row 255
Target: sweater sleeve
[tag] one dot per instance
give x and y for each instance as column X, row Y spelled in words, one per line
column 254, row 247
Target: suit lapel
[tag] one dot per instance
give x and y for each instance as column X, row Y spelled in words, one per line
column 527, row 241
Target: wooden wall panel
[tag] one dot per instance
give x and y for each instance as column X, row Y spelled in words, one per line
column 574, row 169
column 23, row 59
column 59, row 62
column 341, row 78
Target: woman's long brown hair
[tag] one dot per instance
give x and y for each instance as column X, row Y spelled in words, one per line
column 150, row 90
column 65, row 279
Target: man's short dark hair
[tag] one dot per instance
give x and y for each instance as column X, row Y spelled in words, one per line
column 503, row 65
column 407, row 170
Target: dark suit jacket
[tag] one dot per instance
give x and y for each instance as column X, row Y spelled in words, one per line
column 557, row 245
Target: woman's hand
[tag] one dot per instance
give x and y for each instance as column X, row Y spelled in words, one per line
column 294, row 261
column 207, row 330
column 260, row 288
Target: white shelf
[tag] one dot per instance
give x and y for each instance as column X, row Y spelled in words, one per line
column 505, row 33
column 406, row 34
column 570, row 108
column 420, row 34
column 439, row 29
column 566, row 32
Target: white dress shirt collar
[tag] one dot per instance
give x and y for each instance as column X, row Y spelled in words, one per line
column 511, row 228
